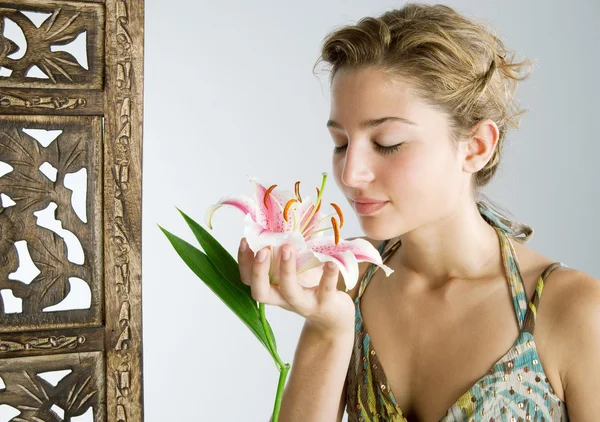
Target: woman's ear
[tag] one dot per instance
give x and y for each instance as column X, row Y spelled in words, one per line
column 479, row 148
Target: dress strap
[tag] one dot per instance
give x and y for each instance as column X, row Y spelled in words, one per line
column 513, row 276
column 373, row 268
column 537, row 294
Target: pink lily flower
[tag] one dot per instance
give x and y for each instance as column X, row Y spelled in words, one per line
column 278, row 217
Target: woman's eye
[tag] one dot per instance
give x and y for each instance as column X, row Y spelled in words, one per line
column 381, row 149
column 337, row 150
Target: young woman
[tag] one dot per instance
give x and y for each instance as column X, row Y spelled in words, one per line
column 473, row 324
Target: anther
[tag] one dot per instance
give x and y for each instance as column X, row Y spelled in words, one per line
column 297, row 191
column 336, row 231
column 287, row 207
column 267, row 193
column 339, row 212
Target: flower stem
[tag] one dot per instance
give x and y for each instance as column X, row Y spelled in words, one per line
column 283, row 368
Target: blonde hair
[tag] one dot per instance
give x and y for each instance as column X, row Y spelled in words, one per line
column 454, row 64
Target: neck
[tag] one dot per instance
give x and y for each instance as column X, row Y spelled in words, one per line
column 462, row 245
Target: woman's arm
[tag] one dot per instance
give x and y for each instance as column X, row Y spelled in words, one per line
column 580, row 330
column 316, row 378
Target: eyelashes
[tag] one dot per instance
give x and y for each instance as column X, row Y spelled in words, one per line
column 381, row 149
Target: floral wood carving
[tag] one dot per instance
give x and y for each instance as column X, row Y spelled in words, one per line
column 34, row 387
column 41, row 61
column 77, row 146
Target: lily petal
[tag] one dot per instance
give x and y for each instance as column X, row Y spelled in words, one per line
column 271, row 217
column 359, row 250
column 259, row 237
column 243, row 203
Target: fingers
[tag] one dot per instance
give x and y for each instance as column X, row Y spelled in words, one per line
column 245, row 258
column 329, row 279
column 289, row 287
column 262, row 290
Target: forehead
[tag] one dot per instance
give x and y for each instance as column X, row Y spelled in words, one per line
column 369, row 93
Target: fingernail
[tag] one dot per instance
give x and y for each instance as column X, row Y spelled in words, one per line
column 262, row 254
column 243, row 245
column 285, row 254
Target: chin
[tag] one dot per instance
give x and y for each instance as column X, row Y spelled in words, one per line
column 376, row 232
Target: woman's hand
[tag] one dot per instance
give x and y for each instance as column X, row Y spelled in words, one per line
column 324, row 306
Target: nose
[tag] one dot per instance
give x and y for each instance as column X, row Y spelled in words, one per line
column 357, row 166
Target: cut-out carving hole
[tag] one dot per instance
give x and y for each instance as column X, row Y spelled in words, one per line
column 59, row 412
column 37, row 18
column 46, row 218
column 6, row 201
column 77, row 182
column 13, row 32
column 43, row 136
column 54, row 377
column 27, row 270
column 2, row 385
column 79, row 297
column 77, row 48
column 49, row 171
column 4, row 71
column 36, row 72
column 7, row 412
column 88, row 416
column 12, row 304
column 5, row 168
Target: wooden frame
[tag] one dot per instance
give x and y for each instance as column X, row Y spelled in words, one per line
column 97, row 107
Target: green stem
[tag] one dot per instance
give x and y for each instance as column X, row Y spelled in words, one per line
column 283, row 368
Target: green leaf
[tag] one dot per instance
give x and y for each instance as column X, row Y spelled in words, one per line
column 244, row 306
column 221, row 259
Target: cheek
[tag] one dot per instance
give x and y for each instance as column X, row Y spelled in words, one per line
column 337, row 166
column 422, row 172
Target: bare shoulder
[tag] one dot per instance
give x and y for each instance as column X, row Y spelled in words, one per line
column 575, row 307
column 362, row 267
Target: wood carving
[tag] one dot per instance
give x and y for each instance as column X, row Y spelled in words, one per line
column 42, row 64
column 33, row 386
column 94, row 103
column 123, row 131
column 77, row 147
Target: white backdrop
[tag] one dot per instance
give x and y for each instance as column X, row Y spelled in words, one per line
column 229, row 93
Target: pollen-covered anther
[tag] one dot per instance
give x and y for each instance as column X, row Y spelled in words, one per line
column 297, row 191
column 287, row 208
column 336, row 231
column 339, row 213
column 267, row 193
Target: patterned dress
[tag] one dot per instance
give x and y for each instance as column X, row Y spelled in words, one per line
column 514, row 389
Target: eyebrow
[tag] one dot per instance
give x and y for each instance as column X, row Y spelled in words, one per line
column 372, row 122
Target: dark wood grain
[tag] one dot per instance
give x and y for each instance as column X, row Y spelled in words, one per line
column 98, row 112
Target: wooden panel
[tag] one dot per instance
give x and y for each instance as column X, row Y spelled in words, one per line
column 43, row 64
column 56, row 101
column 122, row 207
column 78, row 146
column 42, row 397
column 63, row 340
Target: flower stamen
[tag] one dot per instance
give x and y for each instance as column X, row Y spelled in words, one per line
column 340, row 214
column 267, row 193
column 317, row 205
column 287, row 208
column 297, row 191
column 336, row 231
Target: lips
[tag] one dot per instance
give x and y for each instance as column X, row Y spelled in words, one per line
column 367, row 208
column 365, row 200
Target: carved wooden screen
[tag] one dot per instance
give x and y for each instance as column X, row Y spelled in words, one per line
column 70, row 255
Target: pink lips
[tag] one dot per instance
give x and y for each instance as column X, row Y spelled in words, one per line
column 366, row 206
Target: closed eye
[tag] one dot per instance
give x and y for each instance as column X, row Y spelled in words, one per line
column 381, row 149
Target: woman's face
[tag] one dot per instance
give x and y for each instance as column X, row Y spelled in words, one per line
column 421, row 181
